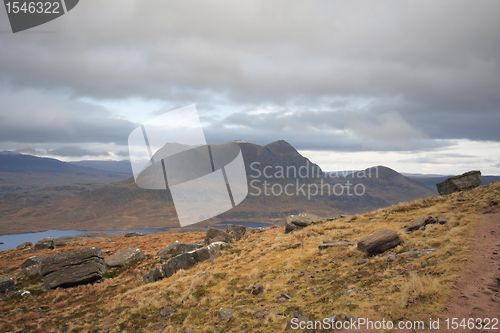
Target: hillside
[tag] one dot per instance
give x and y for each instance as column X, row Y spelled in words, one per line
column 396, row 285
column 123, row 205
column 25, row 172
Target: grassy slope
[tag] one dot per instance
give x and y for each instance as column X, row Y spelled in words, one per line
column 408, row 288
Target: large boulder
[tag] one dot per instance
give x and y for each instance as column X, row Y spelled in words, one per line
column 123, row 257
column 183, row 261
column 46, row 243
column 29, row 271
column 72, row 268
column 216, row 235
column 236, row 231
column 169, row 249
column 34, row 260
column 6, row 284
column 379, row 242
column 463, row 182
column 302, row 220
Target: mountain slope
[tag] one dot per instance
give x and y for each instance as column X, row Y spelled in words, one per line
column 25, row 172
column 123, row 205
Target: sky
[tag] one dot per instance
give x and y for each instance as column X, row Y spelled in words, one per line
column 412, row 85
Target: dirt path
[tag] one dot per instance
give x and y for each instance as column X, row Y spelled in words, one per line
column 477, row 291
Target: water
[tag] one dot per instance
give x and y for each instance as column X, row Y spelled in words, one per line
column 11, row 241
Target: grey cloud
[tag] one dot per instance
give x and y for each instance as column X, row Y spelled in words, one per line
column 30, row 116
column 431, row 70
column 75, row 151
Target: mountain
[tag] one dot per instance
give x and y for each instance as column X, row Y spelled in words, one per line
column 25, row 172
column 281, row 182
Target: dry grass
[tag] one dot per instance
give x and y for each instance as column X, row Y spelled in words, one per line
column 407, row 288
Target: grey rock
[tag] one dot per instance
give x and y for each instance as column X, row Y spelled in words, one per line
column 216, row 235
column 236, row 231
column 34, row 260
column 391, row 257
column 184, row 261
column 257, row 289
column 442, row 220
column 188, row 330
column 184, row 248
column 225, row 314
column 299, row 221
column 6, row 284
column 24, row 245
column 10, row 269
column 72, row 268
column 133, row 234
column 352, row 291
column 352, row 318
column 417, row 253
column 202, row 274
column 29, row 271
column 169, row 249
column 420, row 223
column 167, row 311
column 336, row 318
column 466, row 181
column 123, row 257
column 46, row 243
column 379, row 242
column 341, row 243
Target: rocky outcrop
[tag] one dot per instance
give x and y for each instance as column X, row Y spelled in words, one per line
column 72, row 268
column 379, row 242
column 420, row 223
column 6, row 284
column 34, row 260
column 302, row 220
column 123, row 257
column 216, row 235
column 236, row 231
column 463, row 182
column 169, row 249
column 183, row 261
column 46, row 243
column 24, row 245
column 29, row 271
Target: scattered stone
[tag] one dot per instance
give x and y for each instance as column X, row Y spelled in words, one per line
column 188, row 330
column 6, row 284
column 420, row 223
column 167, row 311
column 336, row 318
column 10, row 269
column 466, row 181
column 256, row 230
column 442, row 220
column 417, row 253
column 302, row 220
column 352, row 318
column 72, row 268
column 202, row 274
column 236, row 231
column 257, row 289
column 391, row 257
column 24, row 245
column 225, row 314
column 184, row 261
column 33, row 270
column 495, row 298
column 144, row 316
column 341, row 243
column 352, row 291
column 34, row 260
column 133, row 234
column 360, row 262
column 216, row 235
column 379, row 242
column 46, row 243
column 315, row 290
column 123, row 257
column 378, row 275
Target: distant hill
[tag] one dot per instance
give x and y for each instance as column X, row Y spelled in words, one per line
column 113, row 166
column 123, row 205
column 25, row 172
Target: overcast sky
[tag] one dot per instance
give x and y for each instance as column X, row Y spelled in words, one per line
column 413, row 85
